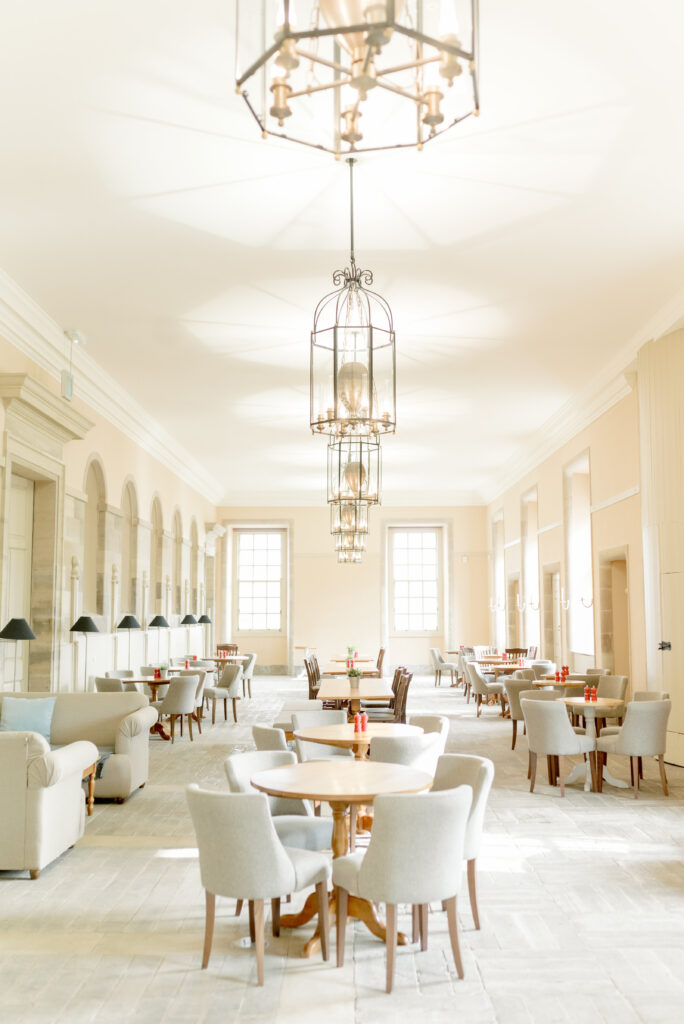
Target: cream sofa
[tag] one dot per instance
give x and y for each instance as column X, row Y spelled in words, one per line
column 118, row 724
column 42, row 804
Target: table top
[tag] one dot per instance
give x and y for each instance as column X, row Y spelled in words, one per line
column 343, row 735
column 227, row 658
column 343, row 661
column 600, row 702
column 341, row 781
column 551, row 681
column 368, row 689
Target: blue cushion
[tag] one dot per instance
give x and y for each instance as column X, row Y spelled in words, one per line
column 19, row 714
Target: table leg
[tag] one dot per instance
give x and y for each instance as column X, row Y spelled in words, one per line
column 361, row 909
column 159, row 728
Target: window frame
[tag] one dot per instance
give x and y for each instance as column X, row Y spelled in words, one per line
column 438, row 532
column 264, row 631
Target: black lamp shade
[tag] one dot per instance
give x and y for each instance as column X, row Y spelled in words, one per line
column 129, row 622
column 204, row 620
column 17, row 629
column 188, row 620
column 159, row 622
column 84, row 625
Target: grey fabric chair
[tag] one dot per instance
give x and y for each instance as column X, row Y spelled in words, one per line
column 284, row 719
column 415, row 856
column 454, row 770
column 644, row 695
column 319, row 751
column 266, row 738
column 293, row 819
column 120, row 673
column 228, row 688
column 482, row 689
column 549, row 733
column 201, row 674
column 440, row 665
column 643, row 734
column 241, row 856
column 105, row 685
column 514, row 687
column 614, row 687
column 179, row 702
column 247, row 673
column 543, row 668
column 420, row 752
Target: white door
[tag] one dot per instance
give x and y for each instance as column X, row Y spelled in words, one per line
column 18, row 579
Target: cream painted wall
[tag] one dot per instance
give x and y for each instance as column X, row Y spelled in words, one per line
column 612, row 442
column 334, row 605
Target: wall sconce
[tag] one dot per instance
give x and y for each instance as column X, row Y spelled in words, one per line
column 496, row 606
column 522, row 605
column 533, row 605
column 564, row 604
column 587, row 604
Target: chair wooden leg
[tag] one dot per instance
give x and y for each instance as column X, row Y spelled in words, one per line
column 533, row 770
column 213, row 711
column 199, row 720
column 323, row 923
column 631, row 771
column 235, row 709
column 452, row 920
column 225, row 709
column 342, row 901
column 190, row 726
column 423, row 920
column 592, row 767
column 472, row 892
column 550, row 770
column 561, row 773
column 635, row 776
column 275, row 917
column 181, row 724
column 529, row 766
column 210, row 914
column 478, row 698
column 251, row 921
column 663, row 776
column 249, row 687
column 415, row 922
column 259, row 938
column 641, row 767
column 390, row 942
column 173, row 728
column 238, row 907
column 34, row 873
column 515, row 733
column 317, row 808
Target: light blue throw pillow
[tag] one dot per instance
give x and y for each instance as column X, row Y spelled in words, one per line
column 19, row 714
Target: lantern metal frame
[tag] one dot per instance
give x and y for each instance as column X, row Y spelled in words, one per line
column 354, row 470
column 350, row 542
column 348, row 517
column 353, row 371
column 394, row 58
column 349, row 557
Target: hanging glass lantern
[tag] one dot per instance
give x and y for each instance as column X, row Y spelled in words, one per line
column 357, row 75
column 349, row 556
column 353, row 362
column 354, row 470
column 348, row 517
column 350, row 542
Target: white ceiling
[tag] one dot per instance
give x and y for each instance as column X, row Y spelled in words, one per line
column 519, row 253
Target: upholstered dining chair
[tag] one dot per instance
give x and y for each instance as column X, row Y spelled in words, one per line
column 414, row 856
column 201, row 674
column 549, row 733
column 293, row 819
column 419, row 751
column 543, row 668
column 440, row 664
column 643, row 734
column 241, row 856
column 644, row 695
column 228, row 688
column 482, row 689
column 319, row 751
column 103, row 684
column 267, row 738
column 514, row 687
column 247, row 673
column 123, row 674
column 454, row 770
column 614, row 687
column 179, row 702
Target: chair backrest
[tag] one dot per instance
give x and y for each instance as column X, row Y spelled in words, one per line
column 180, row 696
column 548, row 727
column 539, row 694
column 432, row 723
column 402, row 696
column 103, row 684
column 311, row 677
column 516, row 650
column 514, row 687
column 309, row 720
column 417, row 751
column 147, row 671
column 597, row 671
column 614, row 687
column 120, row 673
column 477, row 679
column 240, row 768
column 542, row 668
column 532, row 651
column 227, row 648
column 454, row 770
column 266, row 738
column 416, row 847
column 229, row 676
column 381, row 658
column 435, row 657
column 644, row 730
column 240, row 854
column 642, row 695
column 248, row 667
column 398, row 673
column 524, row 673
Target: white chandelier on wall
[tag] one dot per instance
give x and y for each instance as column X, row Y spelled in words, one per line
column 357, row 75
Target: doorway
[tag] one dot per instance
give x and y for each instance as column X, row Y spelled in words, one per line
column 553, row 637
column 613, row 576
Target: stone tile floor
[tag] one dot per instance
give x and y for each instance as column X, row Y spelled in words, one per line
column 582, row 906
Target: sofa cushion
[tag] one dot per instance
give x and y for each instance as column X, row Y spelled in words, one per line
column 19, row 714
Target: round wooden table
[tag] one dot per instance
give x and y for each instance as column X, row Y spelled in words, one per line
column 343, row 735
column 591, row 710
column 341, row 784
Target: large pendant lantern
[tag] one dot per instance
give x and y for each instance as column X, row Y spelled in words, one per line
column 353, row 365
column 354, row 470
column 349, row 557
column 350, row 542
column 348, row 517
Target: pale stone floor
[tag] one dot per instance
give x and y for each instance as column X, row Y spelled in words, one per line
column 582, row 906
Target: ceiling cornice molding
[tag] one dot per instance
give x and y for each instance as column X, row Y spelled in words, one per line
column 29, row 328
column 606, row 388
column 393, row 499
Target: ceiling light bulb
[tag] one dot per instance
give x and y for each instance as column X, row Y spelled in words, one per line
column 352, row 383
column 355, row 478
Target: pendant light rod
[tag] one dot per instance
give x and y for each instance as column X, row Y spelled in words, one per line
column 351, row 163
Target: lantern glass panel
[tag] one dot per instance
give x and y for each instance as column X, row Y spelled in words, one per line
column 354, row 470
column 348, row 517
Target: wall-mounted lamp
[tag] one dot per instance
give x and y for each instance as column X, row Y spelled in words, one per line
column 564, row 604
column 587, row 604
column 496, row 606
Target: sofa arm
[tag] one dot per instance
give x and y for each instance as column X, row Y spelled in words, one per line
column 57, row 765
column 140, row 721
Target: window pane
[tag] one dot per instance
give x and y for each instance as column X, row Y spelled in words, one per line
column 415, row 578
